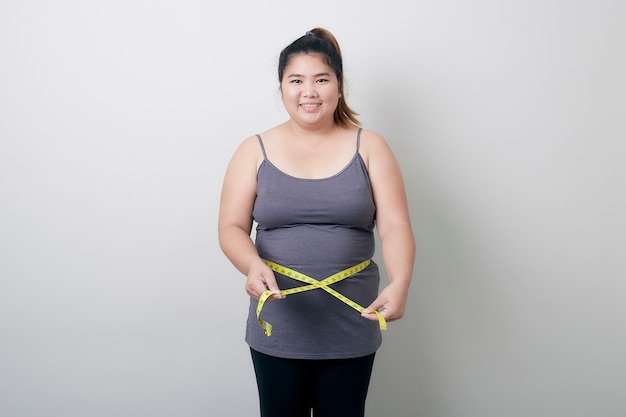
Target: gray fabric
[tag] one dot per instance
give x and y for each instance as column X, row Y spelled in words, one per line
column 317, row 227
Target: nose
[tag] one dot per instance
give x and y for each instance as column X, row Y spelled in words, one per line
column 309, row 90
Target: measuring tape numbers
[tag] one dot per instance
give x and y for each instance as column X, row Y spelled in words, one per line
column 313, row 284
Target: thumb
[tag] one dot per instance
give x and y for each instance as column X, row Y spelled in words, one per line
column 368, row 312
column 270, row 283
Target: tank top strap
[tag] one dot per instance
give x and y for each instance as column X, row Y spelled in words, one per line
column 263, row 147
column 358, row 139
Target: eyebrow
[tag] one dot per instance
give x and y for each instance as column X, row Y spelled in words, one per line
column 321, row 74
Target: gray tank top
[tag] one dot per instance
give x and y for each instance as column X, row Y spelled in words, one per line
column 317, row 227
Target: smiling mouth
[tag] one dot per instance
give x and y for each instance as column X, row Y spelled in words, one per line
column 310, row 105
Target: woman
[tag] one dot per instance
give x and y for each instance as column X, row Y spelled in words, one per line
column 317, row 185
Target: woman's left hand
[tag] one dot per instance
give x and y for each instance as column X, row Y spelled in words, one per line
column 391, row 303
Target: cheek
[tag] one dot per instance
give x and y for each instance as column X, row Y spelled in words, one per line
column 289, row 95
column 332, row 96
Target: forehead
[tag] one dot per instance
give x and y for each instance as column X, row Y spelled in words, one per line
column 307, row 63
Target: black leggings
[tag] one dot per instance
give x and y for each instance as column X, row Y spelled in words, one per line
column 294, row 387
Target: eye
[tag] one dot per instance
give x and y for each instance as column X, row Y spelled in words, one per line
column 295, row 81
column 322, row 80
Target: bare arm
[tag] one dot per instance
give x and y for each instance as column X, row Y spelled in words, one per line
column 235, row 219
column 394, row 228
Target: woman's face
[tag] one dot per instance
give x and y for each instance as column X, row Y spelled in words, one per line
column 310, row 89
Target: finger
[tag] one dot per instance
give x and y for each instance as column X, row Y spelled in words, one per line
column 374, row 306
column 391, row 314
column 370, row 315
column 270, row 284
column 255, row 287
column 369, row 311
column 255, row 290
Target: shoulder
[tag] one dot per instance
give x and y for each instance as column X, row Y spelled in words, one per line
column 249, row 150
column 246, row 159
column 374, row 147
column 249, row 145
column 370, row 139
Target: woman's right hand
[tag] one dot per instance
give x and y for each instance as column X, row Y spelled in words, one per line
column 261, row 278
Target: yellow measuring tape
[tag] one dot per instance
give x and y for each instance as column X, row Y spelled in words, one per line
column 313, row 284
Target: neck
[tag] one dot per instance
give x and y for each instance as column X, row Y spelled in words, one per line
column 311, row 132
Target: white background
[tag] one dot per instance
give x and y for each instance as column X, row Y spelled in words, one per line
column 117, row 120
